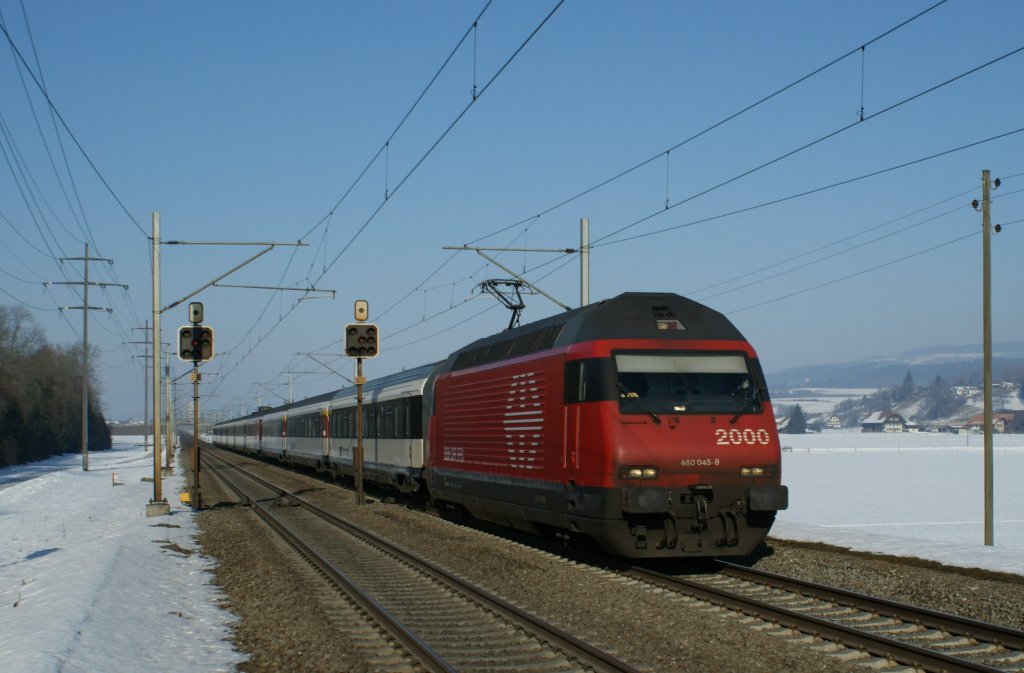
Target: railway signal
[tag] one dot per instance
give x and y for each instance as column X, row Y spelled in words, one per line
column 361, row 340
column 195, row 343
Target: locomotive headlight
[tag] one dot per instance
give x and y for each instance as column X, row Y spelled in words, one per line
column 755, row 471
column 639, row 472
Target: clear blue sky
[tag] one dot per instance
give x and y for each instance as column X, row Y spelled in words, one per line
column 243, row 121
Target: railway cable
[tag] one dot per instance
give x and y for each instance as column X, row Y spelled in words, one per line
column 825, row 246
column 398, row 127
column 86, row 231
column 598, row 242
column 602, row 241
column 712, row 127
column 815, row 190
column 67, row 128
column 624, row 173
column 843, row 278
column 565, row 262
column 763, row 165
column 409, row 174
column 819, row 140
column 754, row 281
column 33, row 184
column 856, row 274
column 850, row 249
column 440, row 138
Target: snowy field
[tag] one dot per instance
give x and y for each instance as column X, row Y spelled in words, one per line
column 910, row 494
column 816, row 401
column 88, row 583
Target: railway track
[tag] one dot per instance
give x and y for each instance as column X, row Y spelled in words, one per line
column 440, row 622
column 888, row 633
column 884, row 635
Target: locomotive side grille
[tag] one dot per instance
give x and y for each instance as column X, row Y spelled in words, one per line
column 507, row 349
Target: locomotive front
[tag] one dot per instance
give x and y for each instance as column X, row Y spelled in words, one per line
column 677, row 442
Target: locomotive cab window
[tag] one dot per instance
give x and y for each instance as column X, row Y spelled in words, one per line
column 675, row 383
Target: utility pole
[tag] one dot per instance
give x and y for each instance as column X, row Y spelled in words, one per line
column 584, row 262
column 986, row 328
column 85, row 308
column 986, row 292
column 145, row 383
column 158, row 505
column 167, row 405
column 197, row 494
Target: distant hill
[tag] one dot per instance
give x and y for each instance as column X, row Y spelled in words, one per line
column 955, row 364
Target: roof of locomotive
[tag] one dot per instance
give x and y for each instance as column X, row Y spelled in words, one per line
column 631, row 315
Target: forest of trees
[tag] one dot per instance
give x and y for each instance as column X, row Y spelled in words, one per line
column 40, row 394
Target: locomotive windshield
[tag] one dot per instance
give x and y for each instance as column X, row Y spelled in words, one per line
column 672, row 383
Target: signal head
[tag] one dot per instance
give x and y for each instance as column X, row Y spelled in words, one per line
column 361, row 340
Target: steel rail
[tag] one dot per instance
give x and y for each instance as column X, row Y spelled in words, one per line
column 573, row 646
column 878, row 645
column 591, row 656
column 420, row 651
column 956, row 625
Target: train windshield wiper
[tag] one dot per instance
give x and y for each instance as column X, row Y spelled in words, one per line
column 746, row 400
column 634, row 396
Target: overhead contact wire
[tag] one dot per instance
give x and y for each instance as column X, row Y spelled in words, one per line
column 714, row 126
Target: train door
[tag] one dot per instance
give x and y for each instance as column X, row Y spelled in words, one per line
column 325, row 435
column 575, row 393
column 259, row 436
column 586, row 383
column 571, row 457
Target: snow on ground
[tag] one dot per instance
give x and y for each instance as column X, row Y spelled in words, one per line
column 909, row 494
column 88, row 583
column 816, row 401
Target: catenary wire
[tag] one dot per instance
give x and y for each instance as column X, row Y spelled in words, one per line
column 67, row 128
column 714, row 126
column 817, row 141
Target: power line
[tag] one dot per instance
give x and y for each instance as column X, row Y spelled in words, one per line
column 854, row 275
column 819, row 140
column 790, row 197
column 67, row 128
column 415, row 167
column 714, row 126
column 443, row 135
column 835, row 254
column 829, row 245
column 401, row 123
